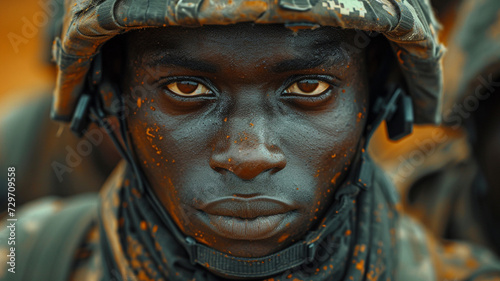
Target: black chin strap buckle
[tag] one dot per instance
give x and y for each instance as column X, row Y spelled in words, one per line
column 311, row 252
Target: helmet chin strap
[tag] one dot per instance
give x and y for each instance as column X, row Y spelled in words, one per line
column 90, row 108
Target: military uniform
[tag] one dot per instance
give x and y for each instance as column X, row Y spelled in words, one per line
column 372, row 240
column 126, row 234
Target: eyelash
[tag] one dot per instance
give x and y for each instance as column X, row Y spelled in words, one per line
column 168, row 80
column 332, row 81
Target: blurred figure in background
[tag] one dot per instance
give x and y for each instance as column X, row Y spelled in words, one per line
column 50, row 160
column 449, row 177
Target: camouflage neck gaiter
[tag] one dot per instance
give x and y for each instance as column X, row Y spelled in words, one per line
column 138, row 246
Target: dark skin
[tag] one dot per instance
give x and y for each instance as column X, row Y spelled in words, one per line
column 245, row 131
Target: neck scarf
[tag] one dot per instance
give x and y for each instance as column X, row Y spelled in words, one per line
column 138, row 246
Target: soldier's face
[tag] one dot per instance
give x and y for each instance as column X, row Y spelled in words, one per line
column 245, row 132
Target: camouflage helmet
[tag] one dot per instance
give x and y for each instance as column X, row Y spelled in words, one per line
column 409, row 25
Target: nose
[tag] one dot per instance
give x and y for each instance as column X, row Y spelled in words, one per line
column 248, row 155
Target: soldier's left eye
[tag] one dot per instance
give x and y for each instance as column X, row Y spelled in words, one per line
column 189, row 88
column 308, row 87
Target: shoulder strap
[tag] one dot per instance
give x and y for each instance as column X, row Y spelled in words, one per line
column 54, row 246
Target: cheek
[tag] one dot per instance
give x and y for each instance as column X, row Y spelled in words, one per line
column 168, row 149
column 325, row 144
column 166, row 154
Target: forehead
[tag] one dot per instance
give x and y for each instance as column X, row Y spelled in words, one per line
column 236, row 44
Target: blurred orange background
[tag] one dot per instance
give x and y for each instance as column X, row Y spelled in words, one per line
column 25, row 70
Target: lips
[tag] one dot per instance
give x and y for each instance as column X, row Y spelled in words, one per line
column 247, row 219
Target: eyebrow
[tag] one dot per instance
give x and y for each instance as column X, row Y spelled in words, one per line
column 182, row 61
column 316, row 60
column 298, row 64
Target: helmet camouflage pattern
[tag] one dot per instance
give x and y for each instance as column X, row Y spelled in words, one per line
column 409, row 25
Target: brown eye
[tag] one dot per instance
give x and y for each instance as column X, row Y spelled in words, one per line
column 308, row 87
column 188, row 88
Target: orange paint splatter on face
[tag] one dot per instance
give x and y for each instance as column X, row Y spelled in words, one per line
column 139, row 103
column 337, row 175
column 347, row 232
column 283, row 237
column 225, row 119
column 148, row 132
column 144, row 225
column 360, row 115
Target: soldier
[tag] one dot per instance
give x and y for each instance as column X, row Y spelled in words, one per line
column 244, row 144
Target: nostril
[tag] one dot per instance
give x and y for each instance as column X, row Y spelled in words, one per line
column 248, row 163
column 273, row 170
column 220, row 170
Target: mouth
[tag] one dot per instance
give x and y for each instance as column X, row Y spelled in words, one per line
column 247, row 219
